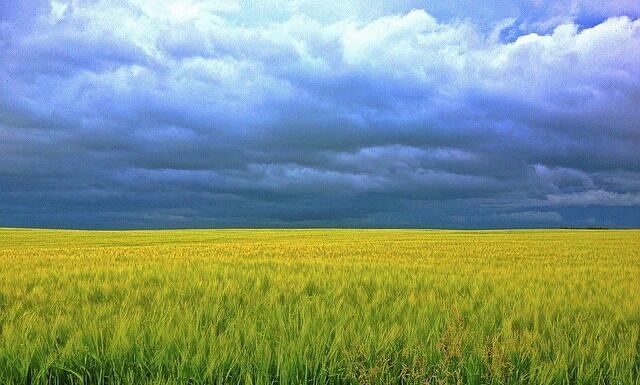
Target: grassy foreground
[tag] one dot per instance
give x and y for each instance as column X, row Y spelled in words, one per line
column 319, row 306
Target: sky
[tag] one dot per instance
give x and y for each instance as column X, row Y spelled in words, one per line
column 247, row 113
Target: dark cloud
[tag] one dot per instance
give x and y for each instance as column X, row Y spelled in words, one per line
column 172, row 114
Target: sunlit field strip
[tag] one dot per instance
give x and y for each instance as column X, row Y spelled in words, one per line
column 319, row 306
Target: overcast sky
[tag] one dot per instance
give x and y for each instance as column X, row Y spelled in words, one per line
column 251, row 113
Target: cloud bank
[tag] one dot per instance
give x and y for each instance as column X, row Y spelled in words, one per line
column 240, row 113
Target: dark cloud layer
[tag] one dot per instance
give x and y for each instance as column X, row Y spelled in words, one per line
column 373, row 114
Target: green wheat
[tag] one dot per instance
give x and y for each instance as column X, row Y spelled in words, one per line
column 319, row 306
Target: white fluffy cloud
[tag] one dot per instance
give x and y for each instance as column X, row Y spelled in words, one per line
column 595, row 197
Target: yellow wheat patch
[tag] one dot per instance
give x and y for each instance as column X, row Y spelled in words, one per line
column 319, row 306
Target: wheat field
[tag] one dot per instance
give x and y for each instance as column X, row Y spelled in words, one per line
column 319, row 307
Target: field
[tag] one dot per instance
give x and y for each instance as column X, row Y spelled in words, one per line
column 320, row 306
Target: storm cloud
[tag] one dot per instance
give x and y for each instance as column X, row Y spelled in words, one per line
column 275, row 114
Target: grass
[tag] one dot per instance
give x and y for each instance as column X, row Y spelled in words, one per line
column 319, row 306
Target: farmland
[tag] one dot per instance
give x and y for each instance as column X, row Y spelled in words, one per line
column 319, row 306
